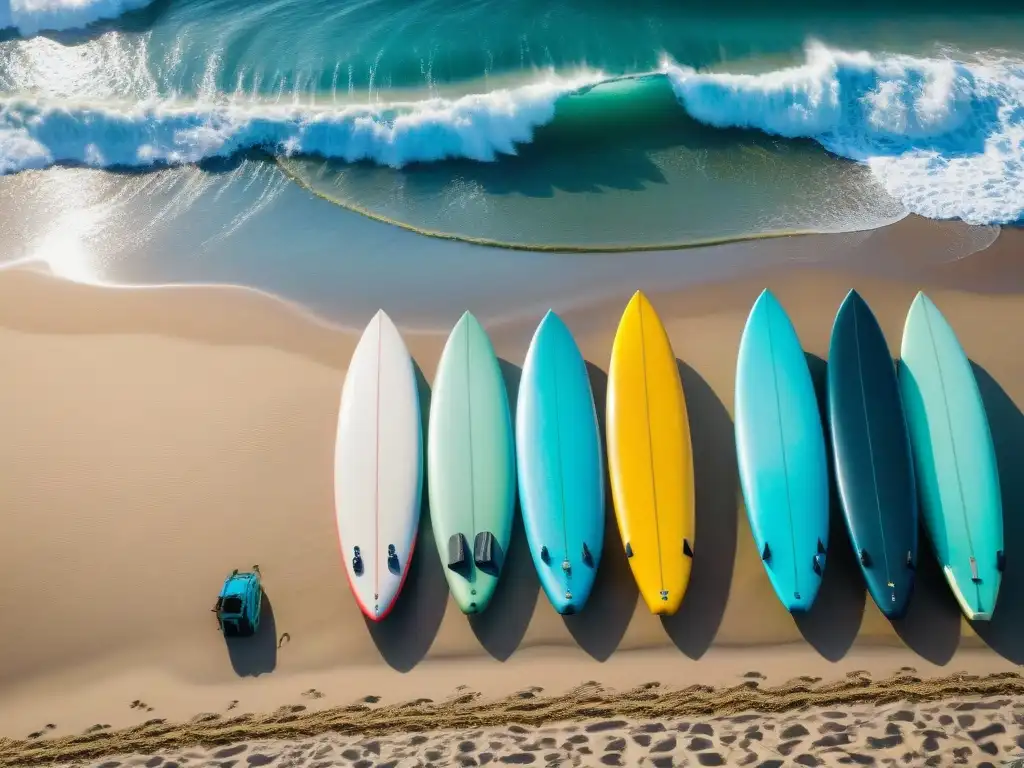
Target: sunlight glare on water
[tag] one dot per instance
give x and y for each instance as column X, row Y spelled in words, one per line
column 111, row 67
column 76, row 214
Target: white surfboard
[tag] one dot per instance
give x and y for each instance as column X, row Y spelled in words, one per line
column 378, row 467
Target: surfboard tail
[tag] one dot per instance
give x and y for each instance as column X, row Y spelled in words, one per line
column 972, row 613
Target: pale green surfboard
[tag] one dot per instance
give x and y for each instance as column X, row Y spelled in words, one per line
column 954, row 459
column 470, row 465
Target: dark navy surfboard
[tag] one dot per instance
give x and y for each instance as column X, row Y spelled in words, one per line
column 871, row 450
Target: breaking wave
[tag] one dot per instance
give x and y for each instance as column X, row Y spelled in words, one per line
column 944, row 137
column 30, row 17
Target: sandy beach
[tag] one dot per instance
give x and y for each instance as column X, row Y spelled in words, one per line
column 155, row 439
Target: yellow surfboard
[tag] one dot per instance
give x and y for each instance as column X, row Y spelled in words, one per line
column 650, row 458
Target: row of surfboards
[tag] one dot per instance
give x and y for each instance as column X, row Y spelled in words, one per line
column 905, row 436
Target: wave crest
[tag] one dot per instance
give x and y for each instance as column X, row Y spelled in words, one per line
column 35, row 134
column 944, row 137
column 30, row 17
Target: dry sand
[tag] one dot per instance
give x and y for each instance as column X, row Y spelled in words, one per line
column 156, row 439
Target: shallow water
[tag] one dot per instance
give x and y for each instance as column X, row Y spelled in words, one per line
column 248, row 225
column 571, row 124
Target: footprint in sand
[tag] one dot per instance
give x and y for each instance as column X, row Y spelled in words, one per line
column 227, row 752
column 371, row 699
column 312, row 693
column 233, row 704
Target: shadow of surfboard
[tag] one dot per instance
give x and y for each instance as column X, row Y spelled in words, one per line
column 501, row 627
column 1004, row 633
column 931, row 626
column 716, row 486
column 834, row 620
column 405, row 636
column 600, row 626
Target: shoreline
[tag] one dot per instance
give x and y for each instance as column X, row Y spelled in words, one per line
column 555, row 248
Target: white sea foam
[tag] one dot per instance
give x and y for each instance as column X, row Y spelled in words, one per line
column 30, row 17
column 36, row 133
column 946, row 138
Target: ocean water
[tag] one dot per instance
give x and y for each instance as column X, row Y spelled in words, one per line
column 572, row 124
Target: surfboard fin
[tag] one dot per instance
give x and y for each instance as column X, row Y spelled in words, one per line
column 629, row 549
column 975, row 577
column 821, row 548
column 484, row 552
column 393, row 565
column 587, row 557
column 910, row 560
column 865, row 558
column 766, row 553
column 457, row 552
column 1000, row 561
column 687, row 551
column 819, row 563
column 357, row 561
column 545, row 555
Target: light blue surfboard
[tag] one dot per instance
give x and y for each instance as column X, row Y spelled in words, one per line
column 954, row 459
column 560, row 467
column 780, row 447
column 470, row 465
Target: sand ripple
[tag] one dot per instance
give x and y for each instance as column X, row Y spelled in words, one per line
column 649, row 718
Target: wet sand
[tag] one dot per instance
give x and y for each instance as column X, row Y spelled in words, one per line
column 156, row 439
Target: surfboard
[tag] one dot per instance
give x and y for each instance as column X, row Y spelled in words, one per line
column 871, row 451
column 560, row 466
column 954, row 459
column 378, row 467
column 780, row 449
column 650, row 459
column 470, row 465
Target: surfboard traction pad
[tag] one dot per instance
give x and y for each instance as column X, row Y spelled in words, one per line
column 394, row 565
column 484, row 547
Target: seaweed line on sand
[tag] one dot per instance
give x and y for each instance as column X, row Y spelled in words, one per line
column 469, row 710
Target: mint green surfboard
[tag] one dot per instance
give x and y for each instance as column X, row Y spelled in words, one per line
column 470, row 465
column 954, row 459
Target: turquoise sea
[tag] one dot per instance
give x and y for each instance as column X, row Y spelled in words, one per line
column 565, row 124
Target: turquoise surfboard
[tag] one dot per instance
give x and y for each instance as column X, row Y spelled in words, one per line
column 954, row 459
column 780, row 448
column 561, row 469
column 470, row 465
